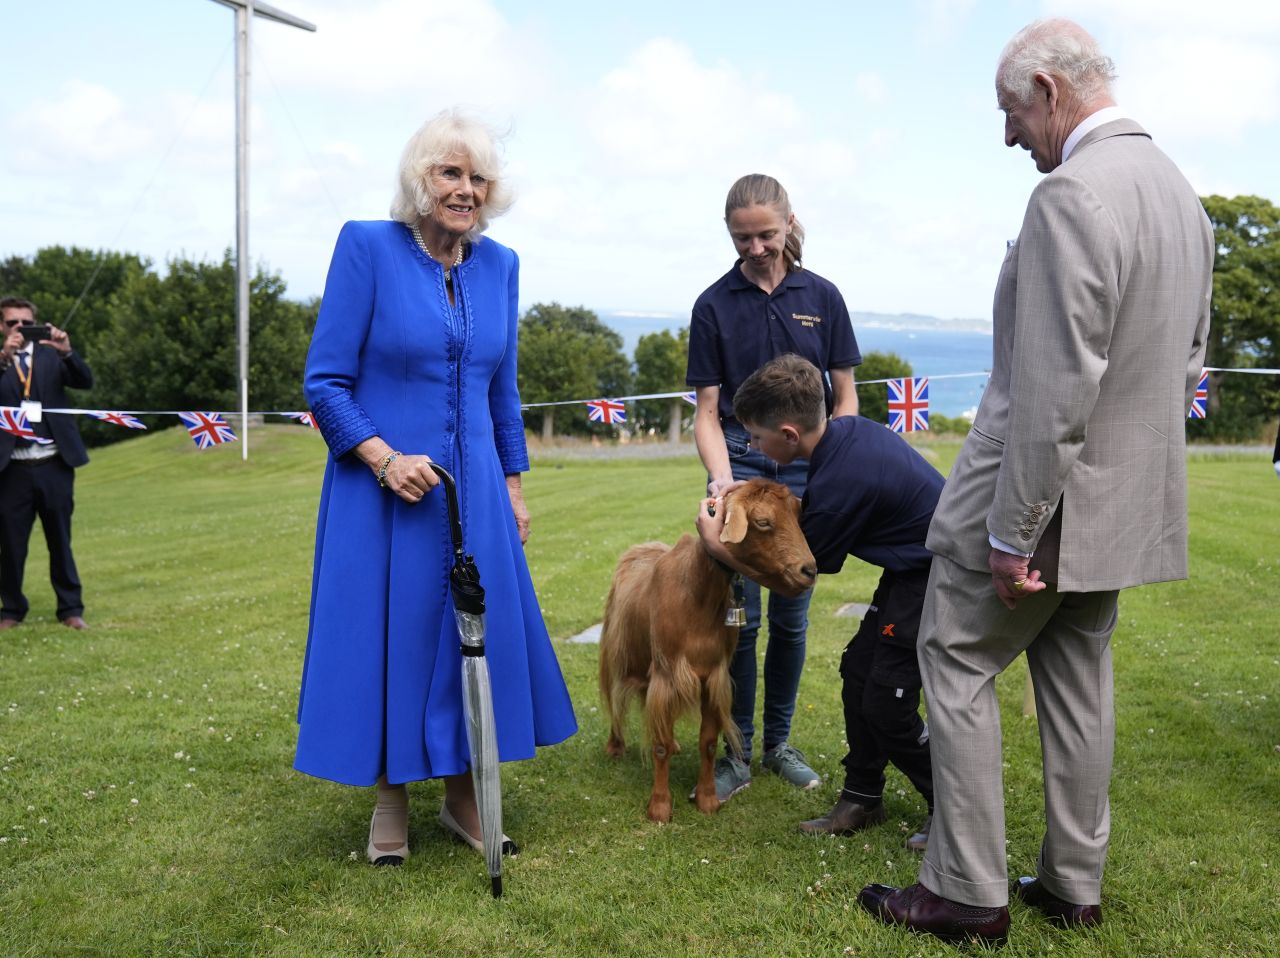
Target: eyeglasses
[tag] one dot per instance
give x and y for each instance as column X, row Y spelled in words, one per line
column 19, row 322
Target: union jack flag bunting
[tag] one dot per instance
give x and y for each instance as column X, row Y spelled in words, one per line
column 909, row 404
column 14, row 420
column 606, row 411
column 1200, row 404
column 118, row 419
column 304, row 417
column 207, row 428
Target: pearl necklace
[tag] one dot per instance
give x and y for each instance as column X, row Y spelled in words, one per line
column 422, row 245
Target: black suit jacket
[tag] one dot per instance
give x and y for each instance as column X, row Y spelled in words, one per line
column 54, row 374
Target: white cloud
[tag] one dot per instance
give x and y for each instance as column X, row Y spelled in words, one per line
column 1189, row 68
column 447, row 52
column 1173, row 84
column 84, row 124
column 662, row 111
column 871, row 87
column 939, row 20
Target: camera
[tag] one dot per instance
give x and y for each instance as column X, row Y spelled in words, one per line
column 34, row 332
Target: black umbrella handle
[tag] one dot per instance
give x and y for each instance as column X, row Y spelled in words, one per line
column 464, row 577
column 451, row 498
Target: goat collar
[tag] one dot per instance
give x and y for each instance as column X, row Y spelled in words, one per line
column 728, row 569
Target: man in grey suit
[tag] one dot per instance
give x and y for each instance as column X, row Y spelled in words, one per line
column 1070, row 487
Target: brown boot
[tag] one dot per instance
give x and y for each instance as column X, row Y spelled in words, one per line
column 844, row 819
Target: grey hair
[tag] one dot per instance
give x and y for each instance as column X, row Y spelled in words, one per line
column 446, row 134
column 1059, row 48
column 759, row 189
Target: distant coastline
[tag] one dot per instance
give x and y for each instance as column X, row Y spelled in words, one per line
column 632, row 324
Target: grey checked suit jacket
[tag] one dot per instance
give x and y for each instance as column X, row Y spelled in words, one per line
column 1100, row 322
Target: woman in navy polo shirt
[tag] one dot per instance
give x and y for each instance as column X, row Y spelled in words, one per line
column 766, row 305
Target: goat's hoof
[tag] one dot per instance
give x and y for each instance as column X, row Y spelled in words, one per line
column 660, row 811
column 707, row 804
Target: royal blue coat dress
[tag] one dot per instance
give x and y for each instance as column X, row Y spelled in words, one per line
column 391, row 357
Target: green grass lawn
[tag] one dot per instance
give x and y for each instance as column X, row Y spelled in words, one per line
column 148, row 806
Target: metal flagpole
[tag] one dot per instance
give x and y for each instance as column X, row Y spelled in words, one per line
column 245, row 11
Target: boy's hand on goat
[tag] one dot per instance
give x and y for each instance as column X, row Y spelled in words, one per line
column 710, row 523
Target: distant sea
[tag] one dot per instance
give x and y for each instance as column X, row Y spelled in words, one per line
column 933, row 347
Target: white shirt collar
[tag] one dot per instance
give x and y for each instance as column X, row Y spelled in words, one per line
column 1091, row 122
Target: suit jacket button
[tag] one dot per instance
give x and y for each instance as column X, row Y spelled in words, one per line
column 1025, row 535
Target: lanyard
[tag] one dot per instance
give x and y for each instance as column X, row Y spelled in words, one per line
column 25, row 377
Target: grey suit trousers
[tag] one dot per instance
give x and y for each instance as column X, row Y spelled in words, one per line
column 967, row 637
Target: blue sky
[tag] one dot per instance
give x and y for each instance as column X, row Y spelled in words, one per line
column 627, row 124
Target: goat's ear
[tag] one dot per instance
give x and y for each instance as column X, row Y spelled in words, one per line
column 735, row 522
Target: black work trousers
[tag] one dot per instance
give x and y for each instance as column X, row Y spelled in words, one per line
column 881, row 692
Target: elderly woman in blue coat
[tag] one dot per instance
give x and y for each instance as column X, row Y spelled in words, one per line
column 413, row 361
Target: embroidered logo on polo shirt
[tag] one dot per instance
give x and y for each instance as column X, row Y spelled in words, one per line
column 809, row 321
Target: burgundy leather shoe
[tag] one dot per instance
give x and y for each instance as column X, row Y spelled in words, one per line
column 1060, row 912
column 9, row 624
column 918, row 909
column 75, row 622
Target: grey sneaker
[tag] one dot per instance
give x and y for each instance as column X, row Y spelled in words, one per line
column 919, row 841
column 790, row 764
column 732, row 776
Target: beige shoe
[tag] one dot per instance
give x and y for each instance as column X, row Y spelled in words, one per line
column 509, row 848
column 389, row 827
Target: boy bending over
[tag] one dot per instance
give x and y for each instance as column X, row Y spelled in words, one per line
column 872, row 496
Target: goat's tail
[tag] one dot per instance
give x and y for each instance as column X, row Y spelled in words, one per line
column 719, row 697
column 616, row 691
column 674, row 690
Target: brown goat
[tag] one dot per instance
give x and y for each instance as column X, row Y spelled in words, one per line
column 664, row 635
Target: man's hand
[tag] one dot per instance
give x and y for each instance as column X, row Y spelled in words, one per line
column 59, row 340
column 13, row 342
column 710, row 519
column 1011, row 578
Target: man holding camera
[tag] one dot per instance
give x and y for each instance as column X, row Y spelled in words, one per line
column 37, row 476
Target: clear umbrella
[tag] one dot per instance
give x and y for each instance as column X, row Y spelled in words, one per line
column 477, row 694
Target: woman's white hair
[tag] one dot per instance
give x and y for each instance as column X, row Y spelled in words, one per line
column 1060, row 48
column 447, row 134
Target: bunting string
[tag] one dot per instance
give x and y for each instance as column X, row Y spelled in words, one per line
column 908, row 400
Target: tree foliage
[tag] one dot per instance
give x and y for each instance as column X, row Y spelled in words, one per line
column 56, row 277
column 661, row 361
column 1245, row 317
column 566, row 352
column 168, row 342
column 873, row 399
